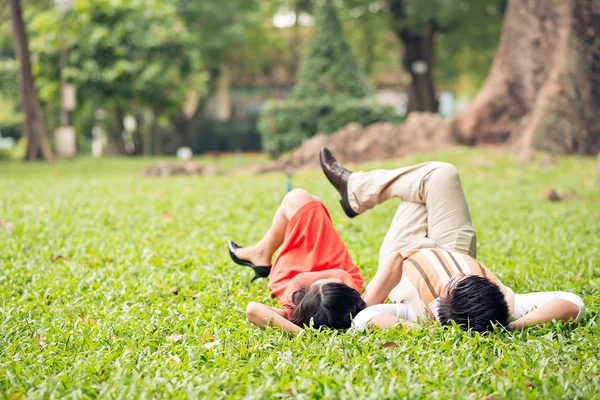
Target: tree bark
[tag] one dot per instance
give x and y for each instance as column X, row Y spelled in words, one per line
column 38, row 147
column 181, row 126
column 116, row 134
column 419, row 47
column 543, row 89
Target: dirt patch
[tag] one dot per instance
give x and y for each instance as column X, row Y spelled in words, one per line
column 422, row 132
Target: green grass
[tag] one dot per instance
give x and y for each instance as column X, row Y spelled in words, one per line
column 99, row 268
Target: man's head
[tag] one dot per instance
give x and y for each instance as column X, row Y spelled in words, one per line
column 327, row 302
column 473, row 302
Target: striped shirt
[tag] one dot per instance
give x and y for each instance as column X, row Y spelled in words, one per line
column 427, row 271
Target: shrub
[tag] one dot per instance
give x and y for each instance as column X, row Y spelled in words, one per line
column 330, row 91
column 286, row 125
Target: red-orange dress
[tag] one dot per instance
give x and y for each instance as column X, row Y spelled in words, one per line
column 312, row 250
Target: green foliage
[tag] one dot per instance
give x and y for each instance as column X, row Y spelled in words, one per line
column 464, row 54
column 330, row 91
column 286, row 125
column 329, row 69
column 101, row 269
column 127, row 53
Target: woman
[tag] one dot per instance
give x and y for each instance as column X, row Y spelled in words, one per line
column 313, row 277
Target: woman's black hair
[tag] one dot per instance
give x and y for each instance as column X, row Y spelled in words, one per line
column 331, row 304
column 474, row 303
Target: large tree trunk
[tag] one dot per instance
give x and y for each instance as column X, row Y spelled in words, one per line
column 543, row 89
column 38, row 147
column 417, row 59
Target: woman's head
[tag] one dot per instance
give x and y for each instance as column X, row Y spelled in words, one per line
column 328, row 302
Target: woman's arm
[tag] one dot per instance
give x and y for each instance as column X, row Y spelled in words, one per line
column 555, row 310
column 388, row 276
column 265, row 316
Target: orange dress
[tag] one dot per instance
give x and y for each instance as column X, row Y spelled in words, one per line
column 312, row 250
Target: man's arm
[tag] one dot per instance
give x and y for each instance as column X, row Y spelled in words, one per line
column 386, row 321
column 388, row 276
column 555, row 310
column 265, row 316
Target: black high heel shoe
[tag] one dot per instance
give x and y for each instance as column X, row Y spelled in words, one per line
column 260, row 271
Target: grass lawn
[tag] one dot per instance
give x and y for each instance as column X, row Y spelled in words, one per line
column 119, row 286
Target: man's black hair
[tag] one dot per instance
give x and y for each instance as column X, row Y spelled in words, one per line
column 474, row 303
column 331, row 304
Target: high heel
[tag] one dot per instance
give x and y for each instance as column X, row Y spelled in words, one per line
column 260, row 271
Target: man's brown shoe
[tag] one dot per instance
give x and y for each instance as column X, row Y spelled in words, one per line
column 338, row 177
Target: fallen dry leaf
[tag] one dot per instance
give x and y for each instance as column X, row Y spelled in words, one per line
column 40, row 339
column 176, row 359
column 5, row 224
column 89, row 320
column 389, row 345
column 527, row 384
column 210, row 345
column 578, row 276
column 57, row 257
column 175, row 337
column 167, row 217
column 551, row 194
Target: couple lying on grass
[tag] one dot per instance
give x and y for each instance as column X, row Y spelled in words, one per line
column 427, row 265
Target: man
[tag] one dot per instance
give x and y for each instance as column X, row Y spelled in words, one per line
column 427, row 260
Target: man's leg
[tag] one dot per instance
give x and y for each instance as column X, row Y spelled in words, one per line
column 262, row 252
column 436, row 200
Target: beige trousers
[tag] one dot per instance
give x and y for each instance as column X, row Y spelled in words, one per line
column 433, row 211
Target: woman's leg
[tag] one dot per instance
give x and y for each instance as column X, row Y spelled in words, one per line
column 262, row 252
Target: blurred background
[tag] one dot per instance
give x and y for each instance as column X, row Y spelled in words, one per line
column 154, row 77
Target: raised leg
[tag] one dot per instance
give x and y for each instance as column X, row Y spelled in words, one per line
column 408, row 230
column 436, row 187
column 262, row 252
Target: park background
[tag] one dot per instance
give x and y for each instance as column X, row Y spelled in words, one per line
column 116, row 282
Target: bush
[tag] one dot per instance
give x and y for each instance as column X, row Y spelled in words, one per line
column 330, row 91
column 284, row 126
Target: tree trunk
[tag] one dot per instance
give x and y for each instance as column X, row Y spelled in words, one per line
column 418, row 60
column 181, row 126
column 543, row 89
column 157, row 148
column 117, row 133
column 38, row 147
column 146, row 127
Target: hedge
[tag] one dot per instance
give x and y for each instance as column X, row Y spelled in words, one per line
column 286, row 125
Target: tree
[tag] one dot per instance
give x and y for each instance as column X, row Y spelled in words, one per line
column 224, row 32
column 543, row 89
column 417, row 23
column 330, row 91
column 329, row 69
column 124, row 56
column 38, row 147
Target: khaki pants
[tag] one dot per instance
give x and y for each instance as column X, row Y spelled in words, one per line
column 433, row 211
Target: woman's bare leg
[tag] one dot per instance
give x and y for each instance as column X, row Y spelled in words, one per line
column 262, row 252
